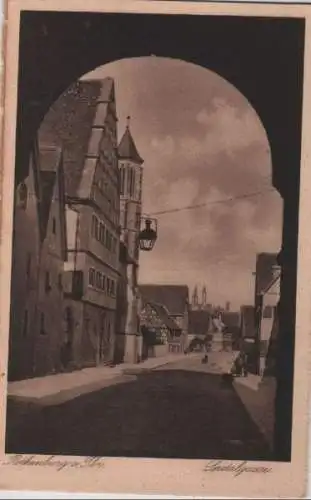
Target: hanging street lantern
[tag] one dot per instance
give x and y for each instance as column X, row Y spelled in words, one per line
column 148, row 236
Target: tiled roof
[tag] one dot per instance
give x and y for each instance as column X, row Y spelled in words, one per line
column 264, row 270
column 68, row 124
column 173, row 297
column 163, row 315
column 127, row 149
column 272, row 282
column 199, row 322
column 248, row 319
column 231, row 319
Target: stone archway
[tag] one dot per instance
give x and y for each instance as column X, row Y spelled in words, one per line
column 264, row 61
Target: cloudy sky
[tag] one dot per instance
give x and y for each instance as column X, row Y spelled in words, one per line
column 201, row 142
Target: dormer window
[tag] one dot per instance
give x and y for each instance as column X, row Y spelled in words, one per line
column 22, row 195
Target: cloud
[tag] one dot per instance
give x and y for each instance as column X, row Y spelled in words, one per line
column 226, row 130
column 164, row 146
column 201, row 141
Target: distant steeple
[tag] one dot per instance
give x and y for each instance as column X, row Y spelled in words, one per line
column 195, row 297
column 127, row 149
column 204, row 296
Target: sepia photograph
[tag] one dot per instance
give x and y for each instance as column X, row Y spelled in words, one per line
column 154, row 237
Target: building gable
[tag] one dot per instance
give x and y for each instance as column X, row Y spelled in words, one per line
column 175, row 298
column 52, row 209
column 100, row 175
column 154, row 316
column 68, row 124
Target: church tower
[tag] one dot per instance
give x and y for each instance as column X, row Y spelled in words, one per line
column 131, row 178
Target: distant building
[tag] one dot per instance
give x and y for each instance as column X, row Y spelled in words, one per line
column 200, row 323
column 53, row 254
column 199, row 303
column 25, row 272
column 175, row 298
column 200, row 327
column 128, row 340
column 161, row 334
column 248, row 322
column 83, row 121
column 265, row 263
column 39, row 252
column 231, row 331
column 269, row 323
column 248, row 335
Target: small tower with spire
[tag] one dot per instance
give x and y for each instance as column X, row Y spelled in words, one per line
column 195, row 299
column 204, row 297
column 131, row 178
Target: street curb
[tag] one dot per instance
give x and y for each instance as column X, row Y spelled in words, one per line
column 66, row 395
column 141, row 369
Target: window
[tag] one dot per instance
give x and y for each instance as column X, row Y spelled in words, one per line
column 42, row 325
column 129, row 172
column 94, row 225
column 28, row 265
column 102, row 233
column 133, row 183
column 112, row 288
column 122, row 180
column 22, row 195
column 54, row 225
column 103, row 282
column 47, row 282
column 92, row 276
column 268, row 312
column 108, row 240
column 97, row 230
column 25, row 323
column 108, row 285
column 98, row 280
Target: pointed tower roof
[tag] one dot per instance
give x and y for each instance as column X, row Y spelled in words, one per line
column 127, row 149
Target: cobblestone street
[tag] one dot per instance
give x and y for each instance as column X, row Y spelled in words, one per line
column 177, row 411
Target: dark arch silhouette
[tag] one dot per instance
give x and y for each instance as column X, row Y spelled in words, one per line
column 261, row 57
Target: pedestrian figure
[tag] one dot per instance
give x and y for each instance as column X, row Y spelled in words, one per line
column 205, row 359
column 238, row 365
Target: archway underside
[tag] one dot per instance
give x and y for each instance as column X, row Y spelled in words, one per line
column 58, row 48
